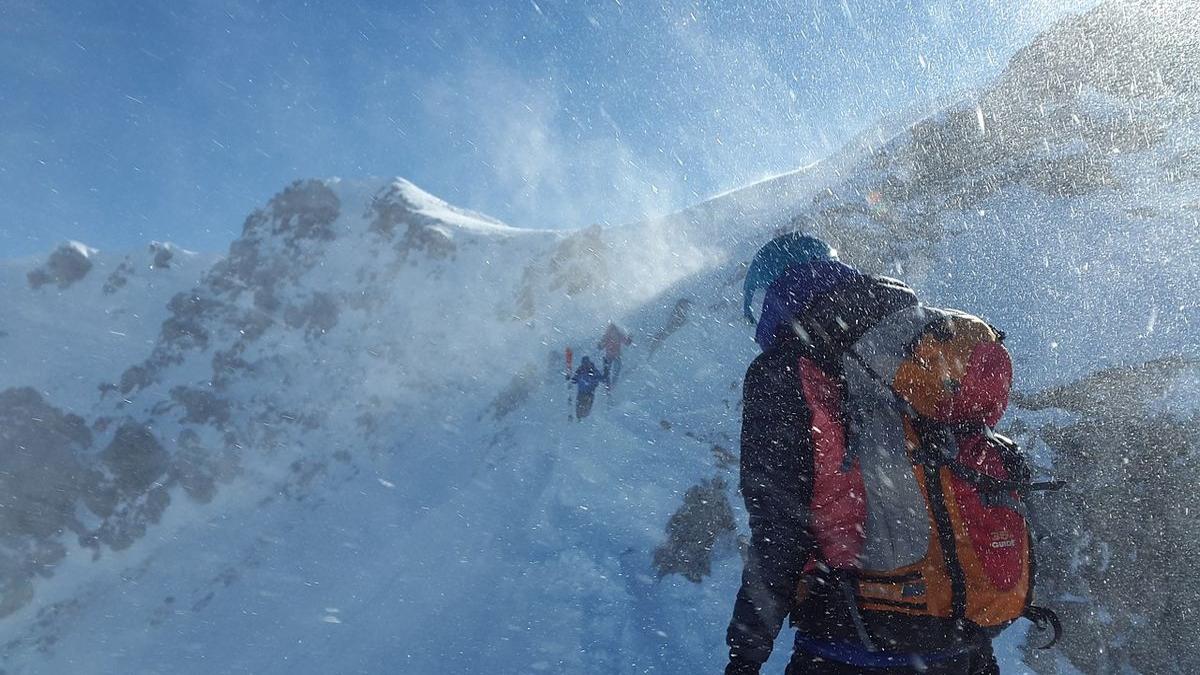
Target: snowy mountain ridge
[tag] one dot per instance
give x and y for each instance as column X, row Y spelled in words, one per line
column 81, row 315
column 344, row 446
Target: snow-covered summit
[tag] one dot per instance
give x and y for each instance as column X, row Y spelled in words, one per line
column 426, row 204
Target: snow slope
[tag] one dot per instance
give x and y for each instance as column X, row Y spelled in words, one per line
column 347, row 448
column 67, row 331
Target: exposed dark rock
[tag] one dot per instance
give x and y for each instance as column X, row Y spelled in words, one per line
column 100, row 496
column 162, row 256
column 694, row 531
column 305, row 210
column 41, row 482
column 266, row 300
column 677, row 320
column 1124, row 542
column 304, row 473
column 431, row 239
column 134, row 377
column 317, row 316
column 1124, row 49
column 516, row 393
column 200, row 469
column 185, row 328
column 135, row 458
column 1095, row 87
column 66, row 265
column 526, row 306
column 201, row 407
column 390, row 210
column 39, row 467
column 1113, row 389
column 723, row 457
column 238, row 270
column 1071, row 176
column 132, row 519
column 226, row 365
column 1121, row 539
column 249, row 325
column 16, row 589
column 118, row 278
column 1183, row 166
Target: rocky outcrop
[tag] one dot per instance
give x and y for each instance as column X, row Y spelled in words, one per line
column 278, row 245
column 1116, row 547
column 395, row 218
column 580, row 262
column 68, row 263
column 518, row 391
column 304, row 211
column 316, row 316
column 695, row 530
column 1128, row 387
column 160, row 254
column 678, row 319
column 41, row 483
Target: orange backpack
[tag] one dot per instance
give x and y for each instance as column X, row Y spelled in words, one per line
column 917, row 503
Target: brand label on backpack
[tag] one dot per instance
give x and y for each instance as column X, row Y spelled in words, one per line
column 1003, row 539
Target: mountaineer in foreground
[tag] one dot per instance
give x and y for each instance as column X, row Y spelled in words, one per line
column 886, row 515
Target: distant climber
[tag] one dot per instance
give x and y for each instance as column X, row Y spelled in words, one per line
column 612, row 342
column 586, row 378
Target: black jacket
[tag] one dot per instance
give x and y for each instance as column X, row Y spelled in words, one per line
column 777, row 467
column 776, row 482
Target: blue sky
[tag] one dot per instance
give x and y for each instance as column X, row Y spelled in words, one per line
column 127, row 121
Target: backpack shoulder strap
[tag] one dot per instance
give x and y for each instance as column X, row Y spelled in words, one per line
column 837, row 319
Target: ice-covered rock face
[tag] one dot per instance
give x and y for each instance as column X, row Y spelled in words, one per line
column 306, row 327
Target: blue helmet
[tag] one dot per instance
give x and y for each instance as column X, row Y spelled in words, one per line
column 773, row 259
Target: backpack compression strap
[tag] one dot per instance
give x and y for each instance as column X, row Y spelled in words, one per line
column 1041, row 616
